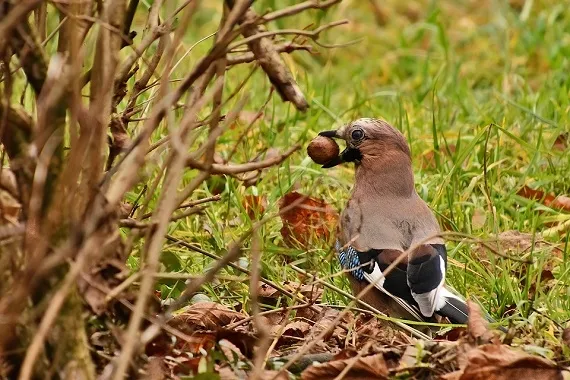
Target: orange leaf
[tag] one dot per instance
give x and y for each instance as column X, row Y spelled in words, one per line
column 369, row 367
column 560, row 202
column 305, row 218
column 561, row 142
column 206, row 315
column 500, row 362
column 254, row 205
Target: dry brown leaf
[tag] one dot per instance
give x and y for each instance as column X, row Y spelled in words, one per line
column 409, row 358
column 255, row 205
column 428, row 158
column 500, row 362
column 477, row 324
column 207, row 315
column 293, row 333
column 369, row 367
column 9, row 208
column 155, row 369
column 226, row 373
column 478, row 219
column 558, row 202
column 269, row 295
column 561, row 142
column 324, row 323
column 310, row 218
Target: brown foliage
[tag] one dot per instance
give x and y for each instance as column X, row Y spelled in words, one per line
column 306, row 219
column 500, row 362
column 369, row 367
column 561, row 202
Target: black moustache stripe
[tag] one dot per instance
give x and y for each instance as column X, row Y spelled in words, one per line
column 351, row 155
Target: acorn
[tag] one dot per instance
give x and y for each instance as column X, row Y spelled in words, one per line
column 322, row 149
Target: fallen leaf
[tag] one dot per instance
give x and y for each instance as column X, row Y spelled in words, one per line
column 255, row 205
column 369, row 367
column 561, row 142
column 268, row 295
column 8, row 182
column 293, row 333
column 207, row 315
column 409, row 358
column 477, row 325
column 231, row 351
column 427, row 160
column 154, row 369
column 478, row 219
column 500, row 362
column 557, row 202
column 305, row 219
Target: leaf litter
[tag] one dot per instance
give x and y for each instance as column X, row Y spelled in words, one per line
column 361, row 346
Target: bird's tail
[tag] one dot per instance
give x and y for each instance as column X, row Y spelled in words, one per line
column 455, row 309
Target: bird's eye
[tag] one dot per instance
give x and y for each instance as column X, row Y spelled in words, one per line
column 357, row 134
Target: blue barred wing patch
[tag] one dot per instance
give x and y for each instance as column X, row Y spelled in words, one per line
column 349, row 260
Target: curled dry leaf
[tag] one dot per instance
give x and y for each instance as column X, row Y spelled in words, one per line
column 305, row 219
column 369, row 367
column 499, row 362
column 477, row 324
column 207, row 315
column 558, row 202
column 293, row 333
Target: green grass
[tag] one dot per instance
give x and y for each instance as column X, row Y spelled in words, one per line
column 490, row 79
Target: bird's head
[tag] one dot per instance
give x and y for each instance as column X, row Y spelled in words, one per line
column 369, row 142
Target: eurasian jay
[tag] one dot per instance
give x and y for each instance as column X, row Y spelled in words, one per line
column 385, row 217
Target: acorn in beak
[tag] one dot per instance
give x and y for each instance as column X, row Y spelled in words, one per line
column 348, row 155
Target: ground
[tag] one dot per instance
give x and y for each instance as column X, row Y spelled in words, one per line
column 481, row 92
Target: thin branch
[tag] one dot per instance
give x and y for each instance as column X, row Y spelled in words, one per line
column 15, row 17
column 287, row 47
column 233, row 169
column 295, row 9
column 270, row 61
column 314, row 35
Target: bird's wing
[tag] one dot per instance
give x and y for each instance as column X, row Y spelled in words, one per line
column 369, row 270
column 426, row 278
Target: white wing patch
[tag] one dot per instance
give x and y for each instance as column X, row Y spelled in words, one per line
column 377, row 278
column 434, row 300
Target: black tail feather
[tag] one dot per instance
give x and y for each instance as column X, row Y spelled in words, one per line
column 456, row 311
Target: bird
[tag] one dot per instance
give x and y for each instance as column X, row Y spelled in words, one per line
column 384, row 218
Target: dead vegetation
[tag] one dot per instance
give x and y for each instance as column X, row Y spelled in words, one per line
column 76, row 130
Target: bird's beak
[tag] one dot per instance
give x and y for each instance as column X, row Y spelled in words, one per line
column 347, row 155
column 331, row 134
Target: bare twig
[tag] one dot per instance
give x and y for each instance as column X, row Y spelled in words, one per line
column 14, row 17
column 287, row 47
column 152, row 250
column 270, row 61
column 242, row 168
